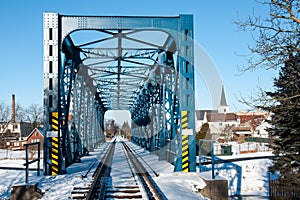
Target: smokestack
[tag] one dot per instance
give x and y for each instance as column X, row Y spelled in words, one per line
column 13, row 109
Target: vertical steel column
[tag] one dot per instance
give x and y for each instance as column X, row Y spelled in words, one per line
column 78, row 111
column 51, row 84
column 186, row 89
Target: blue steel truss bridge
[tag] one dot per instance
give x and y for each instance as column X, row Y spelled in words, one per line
column 143, row 64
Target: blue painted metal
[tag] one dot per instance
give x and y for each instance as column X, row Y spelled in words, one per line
column 153, row 80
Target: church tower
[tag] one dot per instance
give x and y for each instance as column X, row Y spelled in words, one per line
column 223, row 107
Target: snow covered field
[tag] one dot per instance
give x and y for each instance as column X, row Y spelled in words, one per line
column 244, row 177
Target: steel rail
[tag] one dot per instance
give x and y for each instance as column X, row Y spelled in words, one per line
column 152, row 189
column 101, row 173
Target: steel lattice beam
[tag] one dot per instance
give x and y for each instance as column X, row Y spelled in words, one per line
column 154, row 79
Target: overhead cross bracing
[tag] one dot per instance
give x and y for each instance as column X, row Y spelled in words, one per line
column 142, row 64
column 130, row 61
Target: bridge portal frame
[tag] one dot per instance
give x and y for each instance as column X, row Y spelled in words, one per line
column 56, row 30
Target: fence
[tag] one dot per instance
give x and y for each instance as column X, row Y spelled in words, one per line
column 278, row 191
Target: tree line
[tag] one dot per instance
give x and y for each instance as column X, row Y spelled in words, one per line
column 32, row 114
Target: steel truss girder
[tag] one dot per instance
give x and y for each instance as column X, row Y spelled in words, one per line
column 155, row 104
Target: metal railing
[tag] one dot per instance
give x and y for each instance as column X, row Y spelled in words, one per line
column 211, row 151
column 32, row 161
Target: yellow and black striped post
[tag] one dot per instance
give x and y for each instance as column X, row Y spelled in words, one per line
column 185, row 141
column 55, row 145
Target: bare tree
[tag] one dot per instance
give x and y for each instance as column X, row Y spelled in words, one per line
column 20, row 113
column 4, row 112
column 4, row 118
column 34, row 114
column 276, row 36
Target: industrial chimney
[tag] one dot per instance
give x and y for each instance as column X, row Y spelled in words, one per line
column 13, row 109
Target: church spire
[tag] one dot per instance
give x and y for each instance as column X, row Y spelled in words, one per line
column 223, row 107
column 223, row 98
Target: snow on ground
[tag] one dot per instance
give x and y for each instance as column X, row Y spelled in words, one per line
column 176, row 186
column 244, row 177
column 9, row 154
column 180, row 185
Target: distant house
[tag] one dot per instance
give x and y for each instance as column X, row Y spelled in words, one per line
column 221, row 123
column 253, row 119
column 241, row 133
column 16, row 144
column 37, row 135
column 15, row 129
column 261, row 130
column 201, row 116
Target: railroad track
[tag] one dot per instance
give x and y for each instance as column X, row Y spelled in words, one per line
column 120, row 175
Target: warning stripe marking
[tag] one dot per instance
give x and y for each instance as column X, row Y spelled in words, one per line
column 54, row 120
column 185, row 153
column 54, row 127
column 185, row 148
column 55, row 144
column 184, row 137
column 55, row 150
column 184, row 112
column 185, row 159
column 185, row 165
column 55, row 114
column 184, row 126
column 55, row 162
column 54, row 157
column 55, row 168
column 184, row 142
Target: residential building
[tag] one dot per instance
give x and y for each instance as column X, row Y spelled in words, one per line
column 225, row 125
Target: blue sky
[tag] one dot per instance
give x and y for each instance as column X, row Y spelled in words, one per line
column 21, row 39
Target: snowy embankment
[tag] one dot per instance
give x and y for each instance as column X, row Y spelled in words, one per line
column 60, row 187
column 249, row 177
